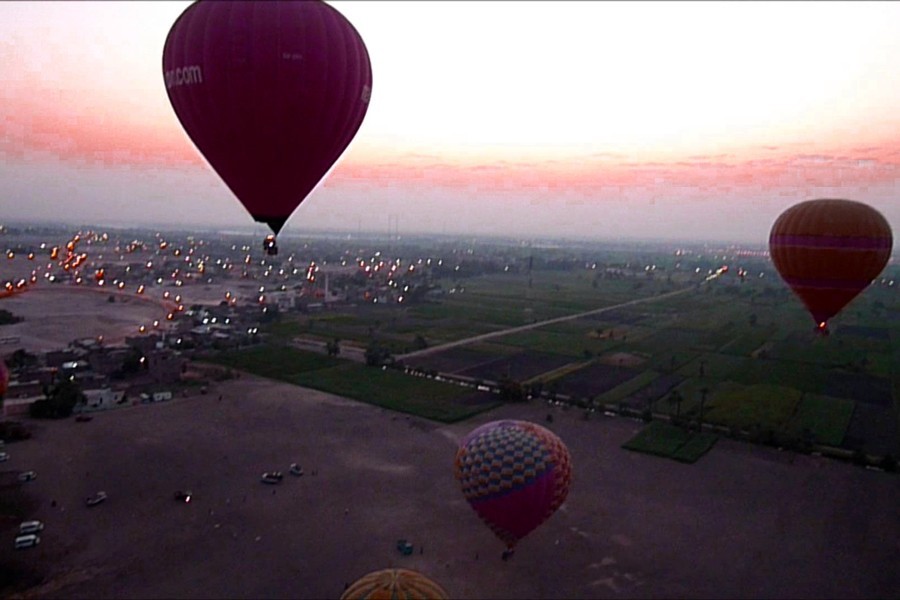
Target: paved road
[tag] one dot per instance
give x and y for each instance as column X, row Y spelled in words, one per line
column 511, row 330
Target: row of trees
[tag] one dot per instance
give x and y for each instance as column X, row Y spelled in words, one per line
column 61, row 400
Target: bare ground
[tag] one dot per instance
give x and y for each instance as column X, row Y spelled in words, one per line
column 744, row 522
column 54, row 316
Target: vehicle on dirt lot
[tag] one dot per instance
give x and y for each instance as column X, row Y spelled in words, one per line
column 83, row 418
column 27, row 541
column 296, row 469
column 27, row 527
column 27, row 476
column 96, row 499
column 183, row 496
column 405, row 548
column 4, row 457
column 272, row 477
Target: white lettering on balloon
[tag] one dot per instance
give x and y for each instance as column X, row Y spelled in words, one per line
column 183, row 76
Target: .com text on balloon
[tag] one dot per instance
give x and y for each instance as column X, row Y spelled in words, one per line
column 184, row 76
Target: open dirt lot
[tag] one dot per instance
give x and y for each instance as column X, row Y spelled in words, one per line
column 54, row 316
column 742, row 522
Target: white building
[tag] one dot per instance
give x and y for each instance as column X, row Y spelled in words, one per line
column 101, row 399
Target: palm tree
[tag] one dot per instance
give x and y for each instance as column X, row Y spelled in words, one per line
column 675, row 398
column 703, row 392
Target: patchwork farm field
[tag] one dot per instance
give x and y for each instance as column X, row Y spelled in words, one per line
column 745, row 350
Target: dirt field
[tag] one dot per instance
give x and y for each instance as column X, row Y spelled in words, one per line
column 743, row 522
column 54, row 316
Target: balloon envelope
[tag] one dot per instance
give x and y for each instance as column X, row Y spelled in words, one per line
column 390, row 584
column 515, row 474
column 828, row 251
column 271, row 93
column 4, row 378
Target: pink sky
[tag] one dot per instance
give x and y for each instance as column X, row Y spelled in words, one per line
column 616, row 125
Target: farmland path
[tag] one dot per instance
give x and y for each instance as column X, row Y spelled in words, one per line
column 494, row 334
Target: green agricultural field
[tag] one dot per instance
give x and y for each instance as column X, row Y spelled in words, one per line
column 714, row 366
column 763, row 367
column 282, row 330
column 388, row 388
column 395, row 391
column 675, row 340
column 880, row 364
column 274, row 362
column 770, row 407
column 667, row 440
column 747, row 341
column 695, row 447
column 712, row 317
column 658, row 438
column 801, row 376
column 833, row 350
column 558, row 343
column 626, row 389
column 825, row 418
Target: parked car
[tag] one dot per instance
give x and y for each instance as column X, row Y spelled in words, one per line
column 27, row 541
column 4, row 457
column 405, row 548
column 272, row 477
column 27, row 476
column 83, row 418
column 30, row 527
column 96, row 499
column 296, row 469
column 183, row 495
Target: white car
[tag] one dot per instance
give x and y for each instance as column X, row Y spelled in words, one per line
column 27, row 541
column 296, row 470
column 4, row 457
column 27, row 527
column 27, row 476
column 272, row 477
column 96, row 499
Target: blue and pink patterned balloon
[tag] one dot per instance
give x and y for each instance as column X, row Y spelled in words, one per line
column 515, row 475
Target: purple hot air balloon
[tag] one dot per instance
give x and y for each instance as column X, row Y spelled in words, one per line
column 515, row 474
column 271, row 93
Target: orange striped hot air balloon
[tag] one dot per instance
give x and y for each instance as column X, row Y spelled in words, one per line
column 391, row 584
column 828, row 251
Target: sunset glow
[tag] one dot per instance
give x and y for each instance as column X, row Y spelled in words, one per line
column 607, row 105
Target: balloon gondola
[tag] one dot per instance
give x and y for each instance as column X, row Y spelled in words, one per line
column 270, row 245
